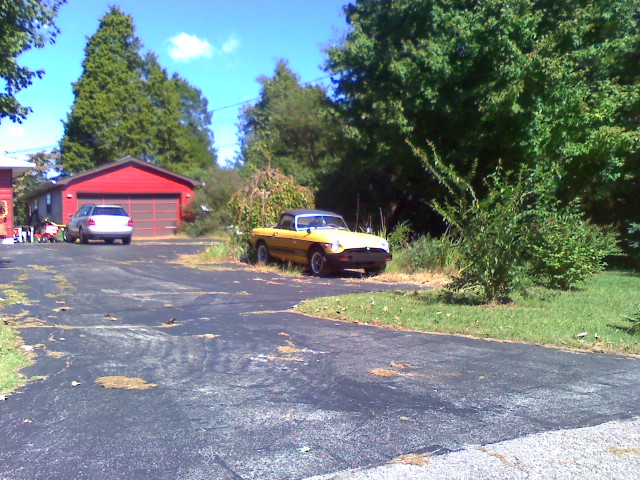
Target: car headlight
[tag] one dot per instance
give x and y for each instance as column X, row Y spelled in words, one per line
column 335, row 246
column 385, row 245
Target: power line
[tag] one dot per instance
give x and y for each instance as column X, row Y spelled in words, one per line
column 258, row 98
column 26, row 150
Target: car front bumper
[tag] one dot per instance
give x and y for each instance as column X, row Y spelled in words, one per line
column 358, row 259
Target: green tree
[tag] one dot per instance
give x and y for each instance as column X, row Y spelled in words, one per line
column 126, row 104
column 544, row 84
column 210, row 211
column 291, row 127
column 46, row 165
column 24, row 24
column 195, row 122
column 111, row 110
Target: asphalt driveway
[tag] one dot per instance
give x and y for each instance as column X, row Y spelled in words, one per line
column 244, row 388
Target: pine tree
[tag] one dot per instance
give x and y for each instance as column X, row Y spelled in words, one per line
column 111, row 110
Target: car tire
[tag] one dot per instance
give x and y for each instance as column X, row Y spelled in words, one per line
column 83, row 237
column 126, row 240
column 109, row 241
column 373, row 271
column 263, row 257
column 318, row 265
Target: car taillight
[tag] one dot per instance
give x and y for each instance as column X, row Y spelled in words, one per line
column 91, row 222
column 130, row 223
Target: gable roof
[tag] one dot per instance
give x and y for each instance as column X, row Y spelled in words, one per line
column 127, row 161
column 17, row 167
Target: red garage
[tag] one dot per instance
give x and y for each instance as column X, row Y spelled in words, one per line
column 153, row 196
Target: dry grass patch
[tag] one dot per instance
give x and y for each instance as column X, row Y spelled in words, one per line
column 207, row 335
column 288, row 349
column 624, row 451
column 126, row 383
column 412, row 459
column 383, row 372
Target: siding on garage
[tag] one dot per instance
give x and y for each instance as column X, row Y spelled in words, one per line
column 153, row 196
column 154, row 215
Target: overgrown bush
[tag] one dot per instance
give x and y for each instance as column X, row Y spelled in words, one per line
column 493, row 238
column 209, row 211
column 427, row 253
column 264, row 197
column 565, row 249
column 517, row 233
column 400, row 237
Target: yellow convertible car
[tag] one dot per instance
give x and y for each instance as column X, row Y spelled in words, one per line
column 320, row 240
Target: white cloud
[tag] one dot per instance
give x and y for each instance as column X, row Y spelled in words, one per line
column 185, row 48
column 230, row 45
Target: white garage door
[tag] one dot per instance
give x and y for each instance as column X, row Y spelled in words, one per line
column 153, row 215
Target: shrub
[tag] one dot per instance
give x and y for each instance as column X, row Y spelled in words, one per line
column 427, row 253
column 209, row 211
column 265, row 196
column 565, row 249
column 400, row 237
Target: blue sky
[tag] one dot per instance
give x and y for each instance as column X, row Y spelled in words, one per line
column 218, row 46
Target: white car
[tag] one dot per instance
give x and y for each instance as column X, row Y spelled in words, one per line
column 100, row 222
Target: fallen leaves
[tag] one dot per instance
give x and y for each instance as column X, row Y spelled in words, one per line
column 383, row 372
column 412, row 459
column 126, row 383
column 624, row 451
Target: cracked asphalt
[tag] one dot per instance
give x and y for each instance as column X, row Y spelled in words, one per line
column 245, row 388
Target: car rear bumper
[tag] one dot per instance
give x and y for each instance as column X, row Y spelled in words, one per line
column 107, row 234
column 358, row 259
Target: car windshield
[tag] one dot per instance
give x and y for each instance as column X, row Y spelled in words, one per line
column 118, row 211
column 305, row 222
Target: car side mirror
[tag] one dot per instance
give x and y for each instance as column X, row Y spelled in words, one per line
column 71, row 215
column 309, row 231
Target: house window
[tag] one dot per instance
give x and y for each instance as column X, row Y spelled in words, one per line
column 48, row 203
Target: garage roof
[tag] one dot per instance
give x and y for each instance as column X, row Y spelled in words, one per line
column 55, row 184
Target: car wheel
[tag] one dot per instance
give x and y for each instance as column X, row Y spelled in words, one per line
column 126, row 240
column 67, row 237
column 372, row 271
column 262, row 254
column 318, row 264
column 109, row 240
column 82, row 236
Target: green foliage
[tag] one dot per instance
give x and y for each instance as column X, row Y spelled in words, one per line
column 265, row 196
column 564, row 249
column 551, row 82
column 24, row 24
column 292, row 128
column 634, row 235
column 45, row 163
column 517, row 233
column 493, row 238
column 427, row 253
column 633, row 322
column 127, row 105
column 209, row 211
column 400, row 236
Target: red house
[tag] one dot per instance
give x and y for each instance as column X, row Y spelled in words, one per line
column 153, row 196
column 10, row 169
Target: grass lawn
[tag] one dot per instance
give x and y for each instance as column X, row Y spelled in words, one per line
column 588, row 318
column 12, row 359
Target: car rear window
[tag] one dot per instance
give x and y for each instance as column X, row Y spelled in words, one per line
column 118, row 211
